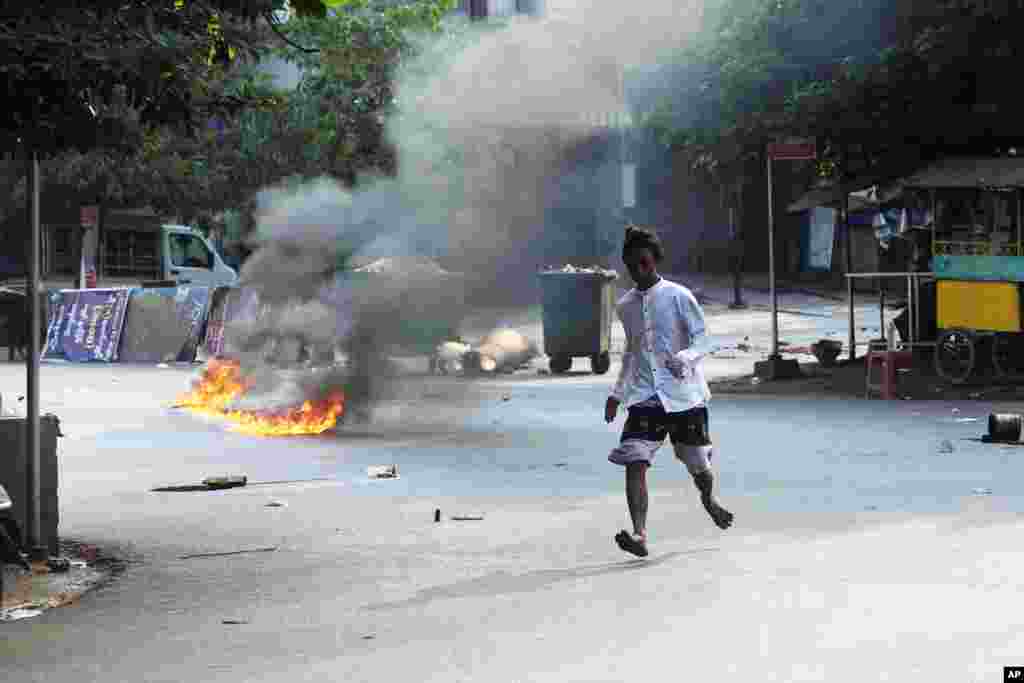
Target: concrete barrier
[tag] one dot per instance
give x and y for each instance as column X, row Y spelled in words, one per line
column 136, row 325
column 164, row 324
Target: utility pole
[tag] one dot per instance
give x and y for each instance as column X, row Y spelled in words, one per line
column 736, row 246
column 844, row 213
column 33, row 525
column 771, row 262
column 777, row 367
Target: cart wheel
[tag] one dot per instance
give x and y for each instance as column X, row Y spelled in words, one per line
column 600, row 362
column 560, row 364
column 1008, row 355
column 955, row 355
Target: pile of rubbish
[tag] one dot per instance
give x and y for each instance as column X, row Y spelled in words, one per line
column 416, row 266
column 502, row 351
column 58, row 581
column 581, row 270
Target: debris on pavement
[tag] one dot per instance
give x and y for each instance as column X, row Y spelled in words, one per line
column 209, row 484
column 437, row 515
column 382, row 471
column 62, row 599
column 946, row 446
column 581, row 270
column 276, row 504
column 58, row 565
column 982, row 492
column 226, row 481
column 226, row 553
column 421, row 266
column 234, row 622
column 448, row 357
column 181, row 489
column 467, row 518
column 56, row 583
column 18, row 613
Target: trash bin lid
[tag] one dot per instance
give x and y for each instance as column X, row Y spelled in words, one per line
column 5, row 500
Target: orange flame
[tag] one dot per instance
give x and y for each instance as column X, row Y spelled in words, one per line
column 221, row 383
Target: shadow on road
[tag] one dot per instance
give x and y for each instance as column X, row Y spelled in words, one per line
column 504, row 582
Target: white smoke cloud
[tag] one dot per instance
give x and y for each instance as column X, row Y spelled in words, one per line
column 485, row 123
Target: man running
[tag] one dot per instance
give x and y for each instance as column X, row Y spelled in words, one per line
column 662, row 385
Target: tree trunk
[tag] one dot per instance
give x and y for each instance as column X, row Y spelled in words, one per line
column 736, row 244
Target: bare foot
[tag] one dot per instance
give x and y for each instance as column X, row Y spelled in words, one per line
column 632, row 543
column 719, row 515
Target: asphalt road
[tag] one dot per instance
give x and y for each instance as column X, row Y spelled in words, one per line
column 865, row 535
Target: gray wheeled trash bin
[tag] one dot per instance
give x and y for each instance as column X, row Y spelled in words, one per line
column 578, row 312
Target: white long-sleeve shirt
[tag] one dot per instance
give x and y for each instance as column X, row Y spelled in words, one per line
column 662, row 322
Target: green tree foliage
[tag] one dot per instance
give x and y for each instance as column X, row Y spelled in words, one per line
column 240, row 133
column 90, row 73
column 347, row 88
column 881, row 84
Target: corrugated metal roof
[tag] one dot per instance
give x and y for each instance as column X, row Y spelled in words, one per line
column 829, row 197
column 951, row 173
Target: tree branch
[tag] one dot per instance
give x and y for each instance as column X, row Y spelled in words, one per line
column 269, row 16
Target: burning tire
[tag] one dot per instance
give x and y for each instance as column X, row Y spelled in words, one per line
column 560, row 364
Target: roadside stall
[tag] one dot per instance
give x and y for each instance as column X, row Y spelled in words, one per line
column 975, row 230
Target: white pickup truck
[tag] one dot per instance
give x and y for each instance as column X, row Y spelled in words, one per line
column 172, row 254
column 161, row 255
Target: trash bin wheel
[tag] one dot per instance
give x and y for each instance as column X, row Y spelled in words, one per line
column 1008, row 355
column 600, row 362
column 560, row 364
column 956, row 355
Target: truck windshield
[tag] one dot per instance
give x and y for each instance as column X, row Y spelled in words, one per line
column 188, row 251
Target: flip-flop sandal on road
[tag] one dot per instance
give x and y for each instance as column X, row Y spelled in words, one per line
column 630, row 544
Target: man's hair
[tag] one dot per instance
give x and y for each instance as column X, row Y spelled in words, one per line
column 642, row 238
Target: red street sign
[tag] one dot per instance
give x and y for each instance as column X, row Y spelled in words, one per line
column 89, row 216
column 791, row 151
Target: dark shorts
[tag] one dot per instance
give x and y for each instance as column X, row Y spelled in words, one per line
column 646, row 429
